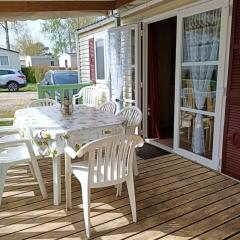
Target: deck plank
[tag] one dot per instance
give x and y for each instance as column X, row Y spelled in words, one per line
column 175, row 197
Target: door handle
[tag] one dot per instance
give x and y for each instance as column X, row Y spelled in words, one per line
column 149, row 111
column 236, row 139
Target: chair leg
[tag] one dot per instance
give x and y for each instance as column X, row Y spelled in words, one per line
column 31, row 170
column 86, row 207
column 68, row 187
column 135, row 167
column 119, row 189
column 3, row 175
column 131, row 193
column 39, row 178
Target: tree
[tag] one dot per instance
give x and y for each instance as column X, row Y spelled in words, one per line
column 27, row 46
column 7, row 27
column 62, row 32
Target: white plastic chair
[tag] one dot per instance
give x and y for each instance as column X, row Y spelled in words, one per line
column 110, row 163
column 9, row 133
column 15, row 152
column 133, row 117
column 108, row 107
column 42, row 103
column 89, row 96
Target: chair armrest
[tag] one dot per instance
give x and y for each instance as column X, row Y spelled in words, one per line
column 9, row 130
column 70, row 152
column 14, row 143
column 140, row 144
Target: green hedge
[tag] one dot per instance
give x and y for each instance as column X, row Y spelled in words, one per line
column 34, row 74
column 29, row 72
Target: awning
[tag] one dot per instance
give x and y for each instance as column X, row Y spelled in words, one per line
column 46, row 9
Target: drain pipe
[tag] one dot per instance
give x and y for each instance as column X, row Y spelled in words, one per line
column 117, row 20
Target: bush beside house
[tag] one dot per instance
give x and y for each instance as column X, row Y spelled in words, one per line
column 34, row 74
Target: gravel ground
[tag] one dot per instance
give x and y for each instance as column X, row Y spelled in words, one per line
column 11, row 101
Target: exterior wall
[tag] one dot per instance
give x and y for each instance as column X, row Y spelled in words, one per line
column 70, row 58
column 28, row 61
column 32, row 61
column 13, row 59
column 153, row 13
column 44, row 61
column 135, row 17
column 154, row 10
column 74, row 61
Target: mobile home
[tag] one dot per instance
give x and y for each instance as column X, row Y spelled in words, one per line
column 181, row 67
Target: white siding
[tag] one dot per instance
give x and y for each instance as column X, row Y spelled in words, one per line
column 13, row 59
column 84, row 69
column 84, row 64
column 70, row 58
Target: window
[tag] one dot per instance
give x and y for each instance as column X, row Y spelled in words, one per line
column 4, row 61
column 52, row 63
column 100, row 61
column 3, row 72
column 65, row 78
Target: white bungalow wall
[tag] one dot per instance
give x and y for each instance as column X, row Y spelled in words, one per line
column 84, row 65
column 13, row 59
column 135, row 15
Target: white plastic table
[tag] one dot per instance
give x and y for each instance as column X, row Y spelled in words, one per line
column 51, row 132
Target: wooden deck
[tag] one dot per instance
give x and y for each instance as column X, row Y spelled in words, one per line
column 176, row 200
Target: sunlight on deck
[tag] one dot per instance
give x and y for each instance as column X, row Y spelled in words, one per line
column 176, row 200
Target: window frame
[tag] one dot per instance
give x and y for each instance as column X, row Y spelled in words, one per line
column 100, row 36
column 7, row 60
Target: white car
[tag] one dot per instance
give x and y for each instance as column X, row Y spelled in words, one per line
column 12, row 79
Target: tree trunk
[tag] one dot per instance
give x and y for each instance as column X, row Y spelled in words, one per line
column 7, row 34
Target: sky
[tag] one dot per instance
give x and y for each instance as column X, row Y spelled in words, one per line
column 34, row 27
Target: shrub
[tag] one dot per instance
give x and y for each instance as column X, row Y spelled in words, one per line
column 39, row 73
column 29, row 72
column 34, row 74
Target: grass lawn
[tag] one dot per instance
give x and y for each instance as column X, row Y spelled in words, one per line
column 31, row 87
column 6, row 123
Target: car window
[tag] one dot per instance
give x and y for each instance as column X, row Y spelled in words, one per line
column 10, row 72
column 65, row 78
column 3, row 72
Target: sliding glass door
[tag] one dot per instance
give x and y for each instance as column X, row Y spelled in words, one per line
column 200, row 73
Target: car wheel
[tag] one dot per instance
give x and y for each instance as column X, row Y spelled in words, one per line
column 12, row 86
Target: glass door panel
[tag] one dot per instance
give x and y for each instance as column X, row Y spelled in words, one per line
column 198, row 83
column 197, row 86
column 202, row 145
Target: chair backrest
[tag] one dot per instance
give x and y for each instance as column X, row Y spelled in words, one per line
column 108, row 107
column 89, row 95
column 42, row 103
column 187, row 97
column 110, row 159
column 133, row 117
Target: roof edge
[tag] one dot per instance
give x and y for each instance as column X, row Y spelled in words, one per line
column 10, row 50
column 97, row 24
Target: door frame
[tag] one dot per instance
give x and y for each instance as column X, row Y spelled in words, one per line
column 137, row 65
column 146, row 22
column 198, row 7
column 224, row 4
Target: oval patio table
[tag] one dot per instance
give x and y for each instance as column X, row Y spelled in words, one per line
column 51, row 132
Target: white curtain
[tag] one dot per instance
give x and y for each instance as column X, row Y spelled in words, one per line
column 119, row 46
column 201, row 43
